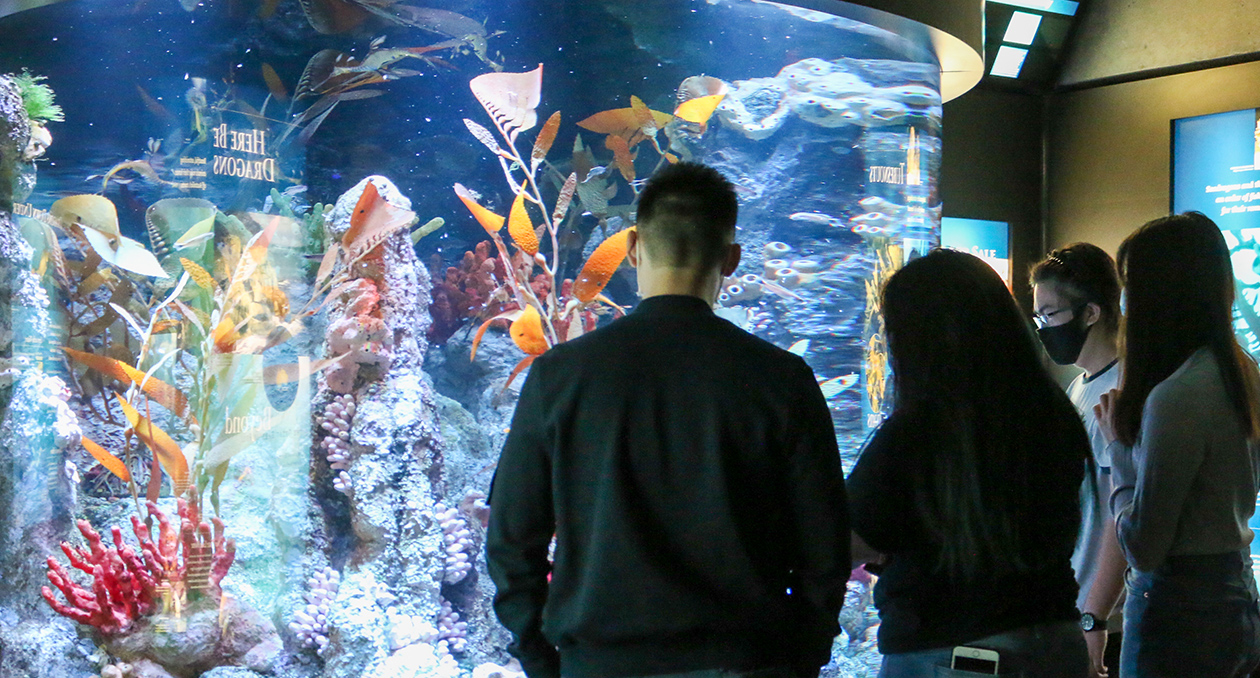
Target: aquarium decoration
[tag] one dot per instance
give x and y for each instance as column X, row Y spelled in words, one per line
column 38, row 99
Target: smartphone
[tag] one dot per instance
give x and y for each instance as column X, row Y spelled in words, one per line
column 975, row 659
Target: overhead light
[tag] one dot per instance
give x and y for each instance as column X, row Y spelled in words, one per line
column 1066, row 7
column 1022, row 29
column 1009, row 61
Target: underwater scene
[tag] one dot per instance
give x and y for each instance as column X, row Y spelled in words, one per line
column 274, row 272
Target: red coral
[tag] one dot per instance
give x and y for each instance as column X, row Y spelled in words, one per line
column 126, row 586
column 460, row 293
column 360, row 334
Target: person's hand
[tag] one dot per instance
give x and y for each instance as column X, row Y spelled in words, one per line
column 1096, row 642
column 1105, row 413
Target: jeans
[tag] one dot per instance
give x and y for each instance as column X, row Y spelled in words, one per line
column 1055, row 650
column 1195, row 615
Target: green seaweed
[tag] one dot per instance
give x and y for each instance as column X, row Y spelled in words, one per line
column 37, row 98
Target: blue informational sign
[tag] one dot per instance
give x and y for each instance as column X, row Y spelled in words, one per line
column 989, row 240
column 1216, row 171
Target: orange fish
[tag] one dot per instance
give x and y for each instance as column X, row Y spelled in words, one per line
column 604, row 262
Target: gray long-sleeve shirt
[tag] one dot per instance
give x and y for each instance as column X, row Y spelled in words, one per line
column 1189, row 486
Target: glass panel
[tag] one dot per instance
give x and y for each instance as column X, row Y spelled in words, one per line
column 259, row 282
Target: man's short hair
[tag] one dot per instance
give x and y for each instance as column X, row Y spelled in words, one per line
column 687, row 214
column 1085, row 274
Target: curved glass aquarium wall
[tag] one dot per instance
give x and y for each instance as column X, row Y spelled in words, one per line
column 273, row 272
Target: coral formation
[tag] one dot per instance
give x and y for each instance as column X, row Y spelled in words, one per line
column 336, row 421
column 359, row 335
column 458, row 541
column 127, row 586
column 451, row 630
column 460, row 293
column 311, row 623
column 408, row 629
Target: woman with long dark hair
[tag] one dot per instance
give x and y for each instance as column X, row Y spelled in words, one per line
column 1184, row 466
column 970, row 488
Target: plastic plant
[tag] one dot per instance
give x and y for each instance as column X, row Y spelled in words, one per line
column 37, row 98
column 545, row 313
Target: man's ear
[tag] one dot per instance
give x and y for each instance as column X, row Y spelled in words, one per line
column 733, row 254
column 1093, row 313
column 632, row 251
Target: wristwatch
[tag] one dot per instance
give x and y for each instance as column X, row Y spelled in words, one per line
column 1091, row 623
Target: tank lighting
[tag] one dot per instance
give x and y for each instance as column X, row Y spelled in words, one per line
column 1022, row 29
column 1066, row 7
column 1009, row 61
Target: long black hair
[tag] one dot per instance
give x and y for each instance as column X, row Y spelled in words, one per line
column 980, row 414
column 1179, row 285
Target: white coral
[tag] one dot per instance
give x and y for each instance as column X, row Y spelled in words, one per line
column 408, row 629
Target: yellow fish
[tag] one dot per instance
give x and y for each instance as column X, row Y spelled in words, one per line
column 699, row 109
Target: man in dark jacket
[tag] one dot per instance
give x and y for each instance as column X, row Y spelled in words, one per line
column 688, row 471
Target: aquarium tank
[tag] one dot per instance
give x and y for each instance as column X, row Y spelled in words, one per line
column 274, row 271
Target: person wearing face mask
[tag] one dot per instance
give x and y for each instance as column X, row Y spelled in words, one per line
column 1076, row 296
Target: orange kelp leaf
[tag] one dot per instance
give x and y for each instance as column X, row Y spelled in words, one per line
column 167, row 396
column 521, row 228
column 510, row 99
column 622, row 122
column 373, row 220
column 527, row 332
column 225, row 336
column 600, row 268
column 481, row 331
column 274, row 83
column 621, row 155
column 111, row 463
column 164, row 448
column 488, row 220
column 525, row 362
column 643, row 116
column 700, row 109
column 546, row 135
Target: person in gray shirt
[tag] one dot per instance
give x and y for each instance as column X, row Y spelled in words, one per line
column 1183, row 429
column 1076, row 302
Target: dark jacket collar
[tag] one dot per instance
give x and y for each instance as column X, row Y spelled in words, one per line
column 673, row 304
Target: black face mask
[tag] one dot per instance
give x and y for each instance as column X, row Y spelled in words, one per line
column 1064, row 342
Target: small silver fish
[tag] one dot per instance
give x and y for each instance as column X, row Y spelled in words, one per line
column 872, row 219
column 799, row 348
column 815, row 218
column 874, row 203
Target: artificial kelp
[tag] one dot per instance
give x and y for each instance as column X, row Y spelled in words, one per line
column 546, row 310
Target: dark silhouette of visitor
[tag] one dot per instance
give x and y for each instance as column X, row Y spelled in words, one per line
column 969, row 492
column 688, row 470
column 1185, row 463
